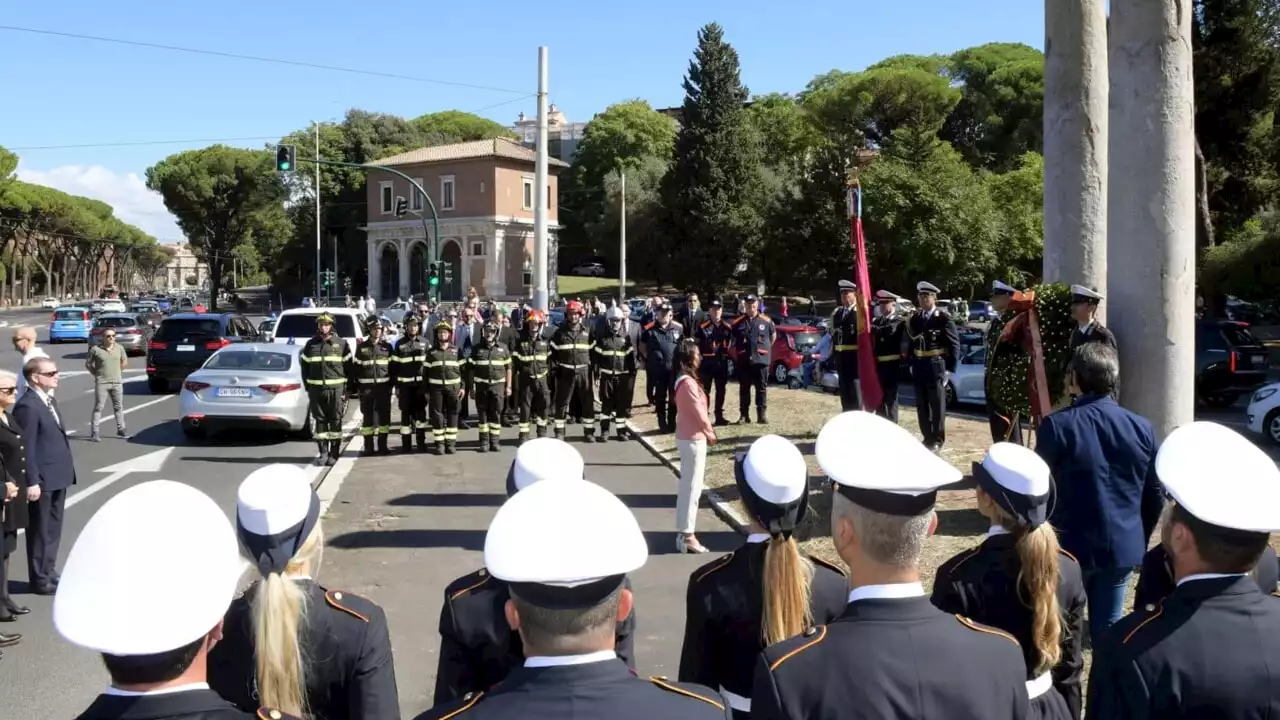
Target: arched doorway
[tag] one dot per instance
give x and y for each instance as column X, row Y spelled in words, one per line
column 451, row 254
column 418, row 260
column 389, row 265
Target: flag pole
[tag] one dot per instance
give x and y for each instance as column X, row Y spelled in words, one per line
column 872, row 393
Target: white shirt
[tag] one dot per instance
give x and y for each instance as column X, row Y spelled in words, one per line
column 32, row 353
column 560, row 660
column 1084, row 328
column 755, row 538
column 995, row 530
column 892, row 591
column 113, row 690
column 1209, row 576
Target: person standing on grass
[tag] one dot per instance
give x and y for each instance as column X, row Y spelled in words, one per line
column 106, row 363
column 694, row 432
column 24, row 341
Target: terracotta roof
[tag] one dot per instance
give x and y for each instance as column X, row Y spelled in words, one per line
column 475, row 149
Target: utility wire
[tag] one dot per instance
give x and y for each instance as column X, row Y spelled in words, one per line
column 256, row 58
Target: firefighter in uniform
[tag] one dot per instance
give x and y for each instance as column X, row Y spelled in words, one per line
column 934, row 345
column 844, row 341
column 658, row 344
column 324, row 370
column 887, row 333
column 614, row 360
column 530, row 358
column 442, row 371
column 489, row 370
column 714, row 337
column 373, row 373
column 406, row 368
column 754, row 334
column 571, row 360
column 1004, row 426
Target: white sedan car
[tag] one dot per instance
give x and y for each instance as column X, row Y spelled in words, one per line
column 113, row 305
column 966, row 386
column 590, row 269
column 1264, row 412
column 254, row 385
column 50, row 302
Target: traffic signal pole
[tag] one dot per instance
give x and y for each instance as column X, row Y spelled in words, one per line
column 317, row 212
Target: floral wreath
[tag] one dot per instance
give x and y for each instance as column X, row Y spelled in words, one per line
column 1028, row 362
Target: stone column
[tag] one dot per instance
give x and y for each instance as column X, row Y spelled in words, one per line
column 402, row 257
column 496, row 276
column 1152, row 251
column 1075, row 142
column 375, row 266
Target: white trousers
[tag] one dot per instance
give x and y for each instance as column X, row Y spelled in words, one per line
column 693, row 468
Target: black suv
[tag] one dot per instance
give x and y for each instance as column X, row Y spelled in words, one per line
column 1230, row 362
column 185, row 340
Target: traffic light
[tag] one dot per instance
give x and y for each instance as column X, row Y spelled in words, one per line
column 448, row 271
column 402, row 206
column 433, row 274
column 285, row 157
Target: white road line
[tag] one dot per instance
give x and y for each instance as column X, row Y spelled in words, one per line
column 152, row 462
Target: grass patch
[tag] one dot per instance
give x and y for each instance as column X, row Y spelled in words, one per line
column 573, row 285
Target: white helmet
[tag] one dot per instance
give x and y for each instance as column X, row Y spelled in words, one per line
column 615, row 313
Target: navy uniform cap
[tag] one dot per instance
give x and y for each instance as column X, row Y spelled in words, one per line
column 927, row 287
column 847, row 285
column 1081, row 293
column 880, row 466
column 750, row 297
column 716, row 303
column 1000, row 288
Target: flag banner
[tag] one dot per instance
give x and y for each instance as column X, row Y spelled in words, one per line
column 868, row 367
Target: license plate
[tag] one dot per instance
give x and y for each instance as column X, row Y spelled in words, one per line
column 186, row 348
column 1259, row 359
column 234, row 392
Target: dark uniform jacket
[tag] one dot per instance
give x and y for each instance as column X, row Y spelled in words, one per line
column 893, row 658
column 571, row 347
column 13, row 464
column 889, row 332
column 407, row 360
column 531, row 356
column 478, row 649
column 724, row 607
column 442, row 368
column 606, row 689
column 1155, row 582
column 660, row 345
column 1209, row 650
column 983, row 584
column 934, row 343
column 844, row 333
column 508, row 336
column 714, row 341
column 1096, row 332
column 373, row 362
column 613, row 354
column 488, row 363
column 324, row 361
column 184, row 705
column 754, row 338
column 349, row 668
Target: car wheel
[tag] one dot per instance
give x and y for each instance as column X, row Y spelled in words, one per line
column 952, row 401
column 157, row 386
column 1221, row 400
column 1271, row 426
column 780, row 373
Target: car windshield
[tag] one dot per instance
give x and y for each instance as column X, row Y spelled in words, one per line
column 1238, row 335
column 115, row 322
column 806, row 340
column 182, row 328
column 69, row 315
column 304, row 325
column 250, row 360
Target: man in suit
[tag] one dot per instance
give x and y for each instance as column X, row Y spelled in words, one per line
column 50, row 472
column 465, row 334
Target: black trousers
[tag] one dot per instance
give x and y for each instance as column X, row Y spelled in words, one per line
column 375, row 405
column 489, row 398
column 751, row 375
column 533, row 401
column 890, row 375
column 413, row 409
column 850, row 390
column 931, row 410
column 464, row 402
column 327, row 409
column 443, row 401
column 574, row 397
column 649, row 387
column 664, row 401
column 615, row 399
column 715, row 373
column 1003, row 427
column 44, row 536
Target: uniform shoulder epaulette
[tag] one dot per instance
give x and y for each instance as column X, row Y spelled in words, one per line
column 692, row 691
column 351, row 604
column 1142, row 616
column 1073, row 557
column 737, row 320
column 648, row 325
column 828, row 565
column 798, row 644
column 266, row 713
column 766, row 317
column 714, row 565
column 704, row 323
column 457, row 707
column 466, row 584
column 987, row 629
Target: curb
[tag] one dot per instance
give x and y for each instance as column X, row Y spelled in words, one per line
column 718, row 504
column 330, row 478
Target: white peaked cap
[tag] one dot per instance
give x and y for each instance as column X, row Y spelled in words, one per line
column 563, row 534
column 775, row 470
column 273, row 499
column 1221, row 477
column 861, row 450
column 546, row 458
column 155, row 569
column 927, row 287
column 1088, row 292
column 1018, row 469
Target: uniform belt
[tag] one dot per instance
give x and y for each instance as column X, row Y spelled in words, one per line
column 535, row 376
column 606, row 371
column 567, row 366
column 930, row 353
column 444, row 381
column 888, row 358
column 488, row 381
column 370, row 381
column 743, row 704
column 1039, row 686
column 845, row 348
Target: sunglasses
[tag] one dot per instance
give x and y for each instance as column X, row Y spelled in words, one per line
column 9, row 390
column 51, row 373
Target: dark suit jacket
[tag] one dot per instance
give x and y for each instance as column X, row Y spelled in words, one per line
column 1108, row 496
column 49, row 461
column 13, row 468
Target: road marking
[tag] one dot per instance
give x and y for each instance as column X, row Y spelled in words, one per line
column 151, row 463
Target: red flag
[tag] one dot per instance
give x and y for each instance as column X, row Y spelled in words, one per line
column 868, row 370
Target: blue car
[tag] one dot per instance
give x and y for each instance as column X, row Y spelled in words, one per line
column 70, row 323
column 162, row 303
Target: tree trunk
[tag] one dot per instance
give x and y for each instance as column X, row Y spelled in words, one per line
column 1204, row 221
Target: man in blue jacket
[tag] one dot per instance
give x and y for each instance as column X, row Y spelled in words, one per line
column 1108, row 496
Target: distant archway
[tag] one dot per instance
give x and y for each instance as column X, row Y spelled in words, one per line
column 418, row 260
column 389, row 266
column 451, row 254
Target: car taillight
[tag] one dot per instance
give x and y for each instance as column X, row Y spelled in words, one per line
column 217, row 344
column 194, row 386
column 1234, row 356
column 157, row 345
column 280, row 388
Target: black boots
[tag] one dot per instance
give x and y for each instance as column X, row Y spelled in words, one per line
column 588, row 435
column 484, row 442
column 760, row 416
column 438, row 448
column 744, row 418
column 542, row 430
column 603, row 436
column 559, row 433
column 422, row 440
column 489, row 442
column 383, row 447
column 368, row 445
column 494, row 439
column 406, row 443
column 522, row 438
column 450, row 447
column 335, row 452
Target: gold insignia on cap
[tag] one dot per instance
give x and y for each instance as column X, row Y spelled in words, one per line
column 482, row 572
column 337, row 596
column 811, row 631
column 275, row 715
column 1149, row 607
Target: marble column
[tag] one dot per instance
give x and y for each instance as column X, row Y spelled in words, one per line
column 495, row 277
column 1152, row 249
column 375, row 268
column 402, row 257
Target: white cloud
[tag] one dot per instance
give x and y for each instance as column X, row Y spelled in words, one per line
column 128, row 194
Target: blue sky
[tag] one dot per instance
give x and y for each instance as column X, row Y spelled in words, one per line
column 61, row 91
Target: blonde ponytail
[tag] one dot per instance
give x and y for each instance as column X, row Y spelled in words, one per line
column 1038, row 552
column 279, row 611
column 788, row 576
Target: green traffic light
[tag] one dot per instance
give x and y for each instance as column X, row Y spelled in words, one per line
column 284, row 166
column 435, row 281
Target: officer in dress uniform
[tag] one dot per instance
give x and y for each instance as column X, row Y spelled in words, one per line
column 572, row 575
column 489, row 370
column 341, row 640
column 1003, row 427
column 571, row 362
column 888, row 331
column 442, row 372
column 160, row 544
column 1084, row 310
column 728, row 618
column 844, row 341
column 658, row 345
column 934, row 344
column 714, row 337
column 478, row 649
column 406, row 368
column 373, row 373
column 614, row 360
column 753, row 333
column 892, row 654
column 324, row 370
column 1020, row 581
column 1212, row 647
column 531, row 359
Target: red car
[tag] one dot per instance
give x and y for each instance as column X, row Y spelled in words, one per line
column 789, row 349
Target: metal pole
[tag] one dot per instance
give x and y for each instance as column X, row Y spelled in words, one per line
column 318, row 212
column 622, row 243
column 541, row 254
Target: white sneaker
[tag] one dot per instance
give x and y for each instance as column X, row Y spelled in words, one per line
column 682, row 546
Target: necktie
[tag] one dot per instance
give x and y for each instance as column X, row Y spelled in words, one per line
column 53, row 408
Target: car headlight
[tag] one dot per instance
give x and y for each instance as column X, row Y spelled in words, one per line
column 1263, row 394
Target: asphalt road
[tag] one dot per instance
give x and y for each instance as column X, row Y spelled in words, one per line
column 44, row 676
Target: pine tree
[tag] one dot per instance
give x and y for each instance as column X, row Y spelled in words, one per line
column 713, row 189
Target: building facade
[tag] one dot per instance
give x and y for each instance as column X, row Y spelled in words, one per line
column 483, row 193
column 563, row 136
column 184, row 264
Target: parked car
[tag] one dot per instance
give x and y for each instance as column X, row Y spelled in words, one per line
column 1263, row 413
column 254, row 385
column 185, row 341
column 593, row 269
column 132, row 332
column 114, row 305
column 790, row 349
column 50, row 303
column 267, row 329
column 1230, row 362
column 967, row 386
column 982, row 311
column 297, row 325
column 70, row 323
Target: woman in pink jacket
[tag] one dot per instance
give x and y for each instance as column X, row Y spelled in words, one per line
column 694, row 432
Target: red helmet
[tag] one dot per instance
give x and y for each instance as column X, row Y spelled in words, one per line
column 535, row 316
column 574, row 306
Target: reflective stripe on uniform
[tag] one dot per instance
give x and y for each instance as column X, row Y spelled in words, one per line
column 930, row 353
column 330, row 381
column 845, row 348
column 888, row 358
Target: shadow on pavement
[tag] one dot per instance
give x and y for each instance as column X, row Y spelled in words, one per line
column 300, row 460
column 659, row 542
column 165, row 434
column 642, row 501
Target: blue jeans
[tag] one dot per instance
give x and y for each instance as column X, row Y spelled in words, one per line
column 1104, row 588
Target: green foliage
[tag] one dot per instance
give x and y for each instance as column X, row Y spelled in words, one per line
column 1018, row 196
column 8, row 163
column 1000, row 116
column 1010, row 363
column 1247, row 262
column 451, row 126
column 905, row 99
